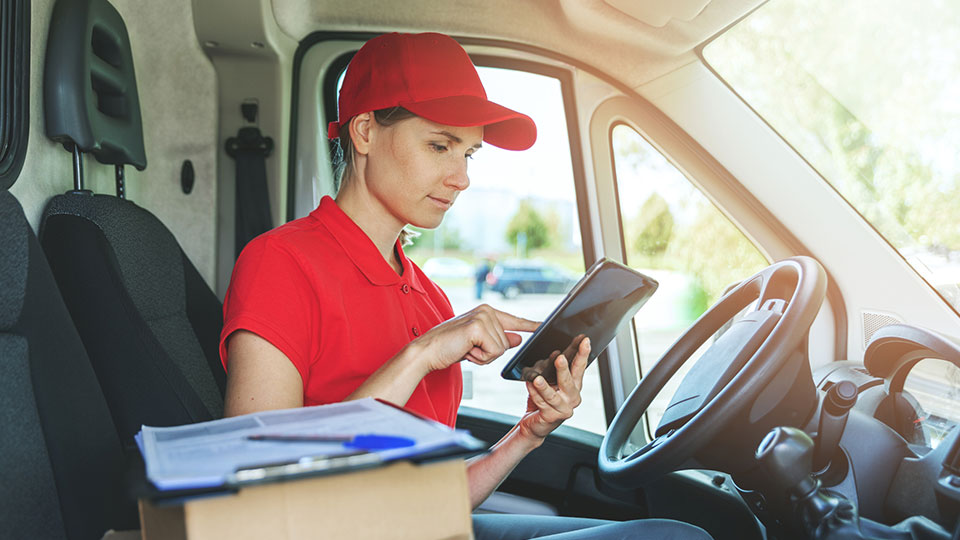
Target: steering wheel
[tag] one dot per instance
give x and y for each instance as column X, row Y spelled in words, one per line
column 728, row 377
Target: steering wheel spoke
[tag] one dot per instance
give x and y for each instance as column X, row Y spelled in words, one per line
column 658, row 441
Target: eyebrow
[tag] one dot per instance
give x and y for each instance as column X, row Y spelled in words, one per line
column 454, row 138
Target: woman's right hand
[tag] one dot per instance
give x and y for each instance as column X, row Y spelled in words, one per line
column 480, row 336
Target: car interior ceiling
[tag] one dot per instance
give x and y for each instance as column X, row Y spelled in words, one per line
column 111, row 318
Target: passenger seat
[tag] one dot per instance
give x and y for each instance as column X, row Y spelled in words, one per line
column 148, row 321
column 62, row 466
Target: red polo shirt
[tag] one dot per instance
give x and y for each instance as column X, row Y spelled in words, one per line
column 319, row 290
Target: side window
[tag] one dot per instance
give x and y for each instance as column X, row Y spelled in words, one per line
column 14, row 69
column 673, row 233
column 512, row 240
column 934, row 387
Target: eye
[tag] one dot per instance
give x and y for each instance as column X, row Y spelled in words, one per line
column 439, row 148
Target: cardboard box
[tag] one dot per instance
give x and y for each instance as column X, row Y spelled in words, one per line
column 397, row 502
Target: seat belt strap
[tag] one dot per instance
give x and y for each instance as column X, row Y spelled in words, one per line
column 250, row 149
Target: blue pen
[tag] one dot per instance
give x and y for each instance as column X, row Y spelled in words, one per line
column 360, row 442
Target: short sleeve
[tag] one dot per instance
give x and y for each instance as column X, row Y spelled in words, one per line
column 271, row 295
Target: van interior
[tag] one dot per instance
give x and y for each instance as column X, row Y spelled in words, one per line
column 787, row 171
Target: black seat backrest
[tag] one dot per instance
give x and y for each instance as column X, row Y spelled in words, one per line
column 124, row 279
column 61, row 463
column 149, row 323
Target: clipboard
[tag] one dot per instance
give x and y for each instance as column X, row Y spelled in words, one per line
column 303, row 459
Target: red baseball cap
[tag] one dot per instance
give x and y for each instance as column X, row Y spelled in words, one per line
column 431, row 76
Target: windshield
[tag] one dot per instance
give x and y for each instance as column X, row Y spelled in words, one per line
column 867, row 92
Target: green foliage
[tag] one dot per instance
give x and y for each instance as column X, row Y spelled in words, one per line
column 714, row 251
column 530, row 222
column 678, row 229
column 653, row 226
column 861, row 94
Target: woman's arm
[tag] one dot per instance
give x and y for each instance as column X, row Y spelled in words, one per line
column 547, row 408
column 261, row 377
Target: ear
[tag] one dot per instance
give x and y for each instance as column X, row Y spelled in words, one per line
column 361, row 132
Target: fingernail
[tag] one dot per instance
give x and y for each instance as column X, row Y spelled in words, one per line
column 586, row 340
column 540, row 381
column 562, row 360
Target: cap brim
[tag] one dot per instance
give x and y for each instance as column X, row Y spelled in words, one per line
column 502, row 127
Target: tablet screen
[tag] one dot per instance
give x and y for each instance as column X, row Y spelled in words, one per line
column 599, row 305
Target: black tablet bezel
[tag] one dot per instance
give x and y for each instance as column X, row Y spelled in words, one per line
column 514, row 369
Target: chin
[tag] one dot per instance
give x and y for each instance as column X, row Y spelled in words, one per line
column 427, row 223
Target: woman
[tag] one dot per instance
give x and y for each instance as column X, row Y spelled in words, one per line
column 328, row 307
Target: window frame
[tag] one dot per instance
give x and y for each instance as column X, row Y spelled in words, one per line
column 693, row 161
column 696, row 185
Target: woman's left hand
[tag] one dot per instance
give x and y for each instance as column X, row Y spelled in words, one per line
column 548, row 406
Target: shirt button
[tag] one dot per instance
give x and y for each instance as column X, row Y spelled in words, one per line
column 405, row 288
column 415, row 330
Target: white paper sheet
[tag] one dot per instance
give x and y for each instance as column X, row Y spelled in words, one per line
column 208, row 454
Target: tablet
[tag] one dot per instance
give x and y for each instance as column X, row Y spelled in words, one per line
column 598, row 307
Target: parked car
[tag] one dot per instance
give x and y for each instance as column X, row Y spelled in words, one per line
column 447, row 268
column 513, row 278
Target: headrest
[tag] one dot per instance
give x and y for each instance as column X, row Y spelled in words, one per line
column 90, row 91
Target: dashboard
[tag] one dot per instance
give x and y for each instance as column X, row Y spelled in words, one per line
column 901, row 445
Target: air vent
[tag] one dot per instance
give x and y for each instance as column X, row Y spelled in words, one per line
column 875, row 320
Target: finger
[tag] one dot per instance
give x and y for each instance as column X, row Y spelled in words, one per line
column 536, row 398
column 486, row 316
column 565, row 379
column 478, row 356
column 549, row 395
column 513, row 339
column 512, row 322
column 484, row 336
column 580, row 362
column 498, row 330
column 559, row 406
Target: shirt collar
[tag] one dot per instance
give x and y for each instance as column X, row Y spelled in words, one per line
column 361, row 249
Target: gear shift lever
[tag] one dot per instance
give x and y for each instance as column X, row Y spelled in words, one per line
column 839, row 400
column 787, row 455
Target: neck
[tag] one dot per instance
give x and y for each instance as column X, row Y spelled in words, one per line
column 372, row 218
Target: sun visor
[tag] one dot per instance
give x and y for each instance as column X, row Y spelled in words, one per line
column 90, row 91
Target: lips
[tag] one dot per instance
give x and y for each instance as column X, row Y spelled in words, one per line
column 446, row 203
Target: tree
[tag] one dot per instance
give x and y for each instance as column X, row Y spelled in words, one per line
column 714, row 251
column 529, row 222
column 876, row 134
column 653, row 226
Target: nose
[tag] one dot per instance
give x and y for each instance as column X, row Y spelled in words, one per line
column 457, row 177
